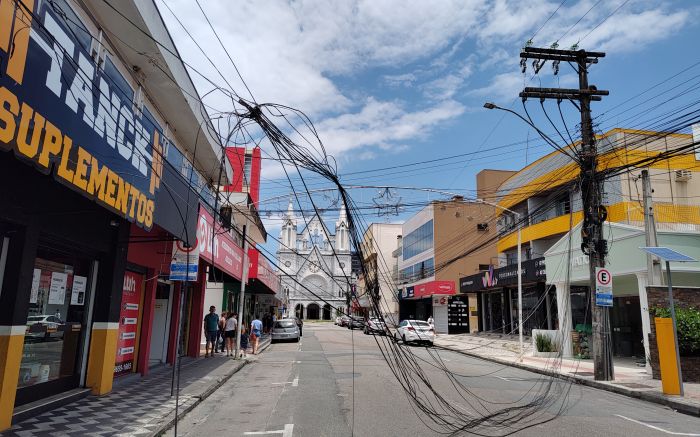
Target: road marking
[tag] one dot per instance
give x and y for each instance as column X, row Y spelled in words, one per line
column 295, row 382
column 286, row 432
column 657, row 428
column 509, row 379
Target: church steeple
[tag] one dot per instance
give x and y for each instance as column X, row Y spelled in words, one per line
column 342, row 236
column 288, row 234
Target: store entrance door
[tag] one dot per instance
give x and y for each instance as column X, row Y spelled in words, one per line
column 56, row 324
column 161, row 325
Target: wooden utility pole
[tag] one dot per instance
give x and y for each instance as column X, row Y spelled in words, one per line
column 594, row 213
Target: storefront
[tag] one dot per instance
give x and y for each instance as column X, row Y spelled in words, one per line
column 630, row 322
column 70, row 309
column 416, row 302
column 221, row 254
column 497, row 302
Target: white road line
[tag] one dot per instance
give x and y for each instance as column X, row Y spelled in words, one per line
column 657, row 428
column 295, row 383
column 286, row 432
column 509, row 379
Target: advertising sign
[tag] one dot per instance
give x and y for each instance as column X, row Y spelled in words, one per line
column 184, row 265
column 217, row 247
column 261, row 270
column 128, row 322
column 434, row 287
column 57, row 289
column 81, row 124
column 603, row 287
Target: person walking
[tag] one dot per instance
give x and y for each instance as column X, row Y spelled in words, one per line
column 230, row 333
column 211, row 330
column 256, row 327
column 431, row 321
column 221, row 340
column 244, row 342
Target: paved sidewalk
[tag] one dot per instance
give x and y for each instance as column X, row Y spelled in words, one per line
column 630, row 379
column 137, row 406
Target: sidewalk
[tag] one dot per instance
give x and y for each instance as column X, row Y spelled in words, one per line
column 137, row 406
column 630, row 380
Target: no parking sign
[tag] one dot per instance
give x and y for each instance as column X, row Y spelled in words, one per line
column 603, row 287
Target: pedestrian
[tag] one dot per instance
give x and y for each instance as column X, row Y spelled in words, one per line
column 244, row 341
column 222, row 328
column 256, row 327
column 230, row 333
column 211, row 330
column 431, row 321
column 274, row 319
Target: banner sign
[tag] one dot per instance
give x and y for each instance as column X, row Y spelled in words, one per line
column 603, row 287
column 184, row 265
column 82, row 122
column 533, row 270
column 260, row 269
column 217, row 246
column 128, row 322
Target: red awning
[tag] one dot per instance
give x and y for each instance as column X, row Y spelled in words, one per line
column 217, row 246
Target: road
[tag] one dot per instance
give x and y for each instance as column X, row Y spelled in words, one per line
column 306, row 389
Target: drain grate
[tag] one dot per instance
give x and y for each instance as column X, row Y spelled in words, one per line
column 632, row 385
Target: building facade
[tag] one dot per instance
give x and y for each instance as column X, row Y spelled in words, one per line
column 556, row 292
column 379, row 242
column 315, row 266
column 99, row 191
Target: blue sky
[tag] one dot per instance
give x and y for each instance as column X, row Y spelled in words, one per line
column 394, row 82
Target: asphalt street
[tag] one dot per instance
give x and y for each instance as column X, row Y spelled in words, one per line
column 335, row 382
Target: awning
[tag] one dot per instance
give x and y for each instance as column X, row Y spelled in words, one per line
column 427, row 289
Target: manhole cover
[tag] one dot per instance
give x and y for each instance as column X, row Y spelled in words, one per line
column 632, row 385
column 584, row 373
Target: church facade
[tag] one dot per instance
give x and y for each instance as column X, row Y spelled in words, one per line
column 315, row 278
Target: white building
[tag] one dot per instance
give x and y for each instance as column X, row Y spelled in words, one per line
column 315, row 279
column 378, row 244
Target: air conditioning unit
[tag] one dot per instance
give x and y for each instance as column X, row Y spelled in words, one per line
column 683, row 175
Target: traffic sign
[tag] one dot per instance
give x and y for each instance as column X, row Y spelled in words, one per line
column 603, row 287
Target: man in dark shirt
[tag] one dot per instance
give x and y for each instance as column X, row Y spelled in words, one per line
column 211, row 330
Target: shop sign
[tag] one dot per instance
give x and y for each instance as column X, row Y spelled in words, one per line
column 259, row 268
column 603, row 287
column 434, row 287
column 440, row 300
column 217, row 246
column 184, row 265
column 71, row 118
column 533, row 270
column 132, row 292
column 407, row 292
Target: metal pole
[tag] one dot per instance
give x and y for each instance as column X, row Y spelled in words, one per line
column 673, row 319
column 241, row 295
column 520, row 290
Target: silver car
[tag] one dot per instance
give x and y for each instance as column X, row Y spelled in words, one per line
column 285, row 329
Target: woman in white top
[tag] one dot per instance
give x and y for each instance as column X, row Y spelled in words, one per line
column 230, row 333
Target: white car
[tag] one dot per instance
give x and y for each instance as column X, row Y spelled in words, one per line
column 44, row 326
column 337, row 321
column 415, row 331
column 285, row 329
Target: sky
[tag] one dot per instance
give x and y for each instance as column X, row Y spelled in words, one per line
column 389, row 83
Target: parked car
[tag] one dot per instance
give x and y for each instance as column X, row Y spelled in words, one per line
column 285, row 329
column 356, row 322
column 44, row 326
column 375, row 326
column 299, row 322
column 415, row 331
column 344, row 319
column 337, row 321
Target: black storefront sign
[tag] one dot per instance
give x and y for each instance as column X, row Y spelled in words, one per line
column 533, row 270
column 66, row 116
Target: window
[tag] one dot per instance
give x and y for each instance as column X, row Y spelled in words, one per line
column 418, row 241
column 563, row 205
column 247, row 164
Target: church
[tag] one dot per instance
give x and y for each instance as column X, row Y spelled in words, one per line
column 315, row 280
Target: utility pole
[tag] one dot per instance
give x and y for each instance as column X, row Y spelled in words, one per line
column 594, row 213
column 241, row 294
column 653, row 270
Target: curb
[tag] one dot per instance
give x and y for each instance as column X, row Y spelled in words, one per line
column 681, row 407
column 183, row 412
